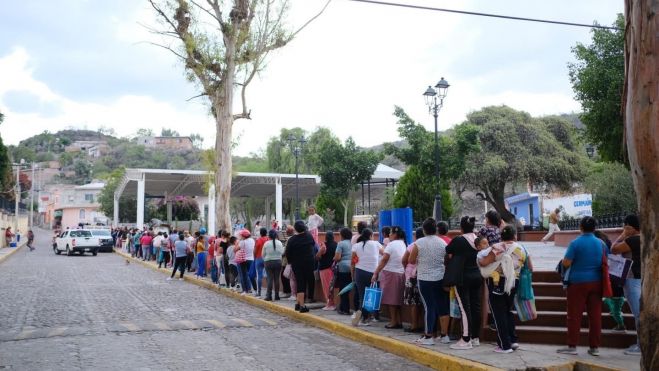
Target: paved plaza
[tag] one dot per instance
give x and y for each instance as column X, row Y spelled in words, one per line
column 100, row 313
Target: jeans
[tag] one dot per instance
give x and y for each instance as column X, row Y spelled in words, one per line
column 633, row 295
column 258, row 268
column 244, row 275
column 430, row 297
column 272, row 267
column 580, row 296
column 201, row 264
column 233, row 273
column 179, row 264
column 146, row 250
column 165, row 258
column 501, row 306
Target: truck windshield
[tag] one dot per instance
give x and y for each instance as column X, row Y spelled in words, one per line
column 81, row 234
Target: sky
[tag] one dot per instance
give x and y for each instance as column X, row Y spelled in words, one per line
column 89, row 65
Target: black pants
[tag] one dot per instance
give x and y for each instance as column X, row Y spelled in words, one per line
column 165, row 259
column 272, row 269
column 303, row 272
column 342, row 280
column 179, row 264
column 227, row 272
column 470, row 295
column 285, row 283
column 232, row 275
column 188, row 261
column 501, row 307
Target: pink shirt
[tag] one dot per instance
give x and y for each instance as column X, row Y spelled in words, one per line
column 410, row 269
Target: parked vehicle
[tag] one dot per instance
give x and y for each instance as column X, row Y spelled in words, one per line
column 104, row 238
column 76, row 240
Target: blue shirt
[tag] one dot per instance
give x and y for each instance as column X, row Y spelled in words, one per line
column 585, row 252
column 345, row 248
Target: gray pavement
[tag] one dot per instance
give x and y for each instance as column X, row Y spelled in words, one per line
column 100, row 313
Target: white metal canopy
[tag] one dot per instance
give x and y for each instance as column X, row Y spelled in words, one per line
column 144, row 183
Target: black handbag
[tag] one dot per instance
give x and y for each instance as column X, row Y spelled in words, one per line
column 454, row 271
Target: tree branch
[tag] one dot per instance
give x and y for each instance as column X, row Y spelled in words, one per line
column 312, row 19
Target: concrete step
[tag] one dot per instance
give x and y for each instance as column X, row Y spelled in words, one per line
column 559, row 304
column 558, row 336
column 558, row 319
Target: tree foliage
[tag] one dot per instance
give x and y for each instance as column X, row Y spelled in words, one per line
column 417, row 188
column 612, row 188
column 511, row 147
column 169, row 133
column 342, row 168
column 597, row 79
column 127, row 205
column 5, row 167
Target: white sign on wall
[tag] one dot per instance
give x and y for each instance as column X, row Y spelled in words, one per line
column 575, row 206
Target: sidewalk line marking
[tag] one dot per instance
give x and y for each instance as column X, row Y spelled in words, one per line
column 162, row 326
column 25, row 334
column 57, row 331
column 216, row 323
column 242, row 322
column 130, row 326
column 270, row 322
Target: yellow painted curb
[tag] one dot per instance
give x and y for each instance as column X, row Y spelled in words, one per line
column 432, row 359
column 12, row 252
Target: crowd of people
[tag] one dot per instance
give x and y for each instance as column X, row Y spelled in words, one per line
column 434, row 274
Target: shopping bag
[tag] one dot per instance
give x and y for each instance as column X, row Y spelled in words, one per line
column 525, row 290
column 214, row 276
column 372, row 298
column 454, row 306
column 525, row 309
column 288, row 270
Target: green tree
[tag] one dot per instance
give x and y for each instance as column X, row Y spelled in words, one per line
column 223, row 46
column 197, row 140
column 612, row 188
column 169, row 133
column 417, row 188
column 127, row 205
column 83, row 171
column 597, row 79
column 65, row 159
column 512, row 148
column 342, row 167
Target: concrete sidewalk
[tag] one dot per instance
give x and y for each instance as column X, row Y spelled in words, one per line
column 528, row 357
column 6, row 252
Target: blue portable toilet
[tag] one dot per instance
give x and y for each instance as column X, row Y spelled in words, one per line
column 384, row 221
column 403, row 218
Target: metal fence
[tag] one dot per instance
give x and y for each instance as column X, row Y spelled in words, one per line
column 9, row 206
column 615, row 220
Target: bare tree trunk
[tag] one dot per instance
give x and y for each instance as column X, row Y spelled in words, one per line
column 642, row 139
column 344, row 203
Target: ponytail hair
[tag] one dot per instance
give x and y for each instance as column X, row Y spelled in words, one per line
column 467, row 224
column 365, row 237
column 273, row 237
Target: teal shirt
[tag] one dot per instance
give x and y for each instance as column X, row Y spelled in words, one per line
column 585, row 252
column 345, row 248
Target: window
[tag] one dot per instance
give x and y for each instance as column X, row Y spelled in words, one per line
column 89, row 197
column 82, row 214
column 71, row 198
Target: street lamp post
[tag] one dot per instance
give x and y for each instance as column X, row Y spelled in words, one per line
column 297, row 144
column 17, row 189
column 435, row 100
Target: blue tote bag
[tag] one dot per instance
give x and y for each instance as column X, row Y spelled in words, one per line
column 372, row 298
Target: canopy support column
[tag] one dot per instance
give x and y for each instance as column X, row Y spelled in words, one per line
column 115, row 212
column 211, row 210
column 140, row 203
column 278, row 201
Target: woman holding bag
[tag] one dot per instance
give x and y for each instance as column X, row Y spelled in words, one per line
column 391, row 274
column 367, row 254
column 464, row 275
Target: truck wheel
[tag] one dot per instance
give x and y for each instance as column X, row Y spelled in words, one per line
column 68, row 251
column 95, row 252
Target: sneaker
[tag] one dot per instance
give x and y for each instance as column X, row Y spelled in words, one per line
column 297, row 307
column 364, row 323
column 169, row 278
column 568, row 350
column 425, row 341
column 514, row 346
column 462, row 345
column 633, row 350
column 180, row 279
column 594, row 352
column 444, row 340
column 277, row 298
column 356, row 317
column 499, row 350
column 267, row 299
column 329, row 307
column 292, row 298
column 619, row 328
column 304, row 309
column 475, row 342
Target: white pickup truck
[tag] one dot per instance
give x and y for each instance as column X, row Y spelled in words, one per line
column 76, row 240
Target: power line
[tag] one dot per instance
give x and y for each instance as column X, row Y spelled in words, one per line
column 488, row 15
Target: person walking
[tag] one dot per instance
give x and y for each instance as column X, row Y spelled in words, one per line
column 180, row 249
column 584, row 257
column 428, row 254
column 299, row 253
column 468, row 284
column 30, row 239
column 554, row 217
column 367, row 254
column 391, row 274
column 272, row 253
column 628, row 244
column 342, row 258
column 325, row 257
column 506, row 259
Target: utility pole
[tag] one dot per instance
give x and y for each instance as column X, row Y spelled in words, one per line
column 31, row 221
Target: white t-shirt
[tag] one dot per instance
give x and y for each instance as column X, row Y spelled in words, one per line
column 157, row 241
column 248, row 245
column 396, row 250
column 315, row 221
column 368, row 254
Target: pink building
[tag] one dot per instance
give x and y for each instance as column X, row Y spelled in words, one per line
column 70, row 206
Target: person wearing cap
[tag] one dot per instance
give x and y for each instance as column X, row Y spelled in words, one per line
column 299, row 252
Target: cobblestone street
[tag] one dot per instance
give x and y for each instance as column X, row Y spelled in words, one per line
column 84, row 312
